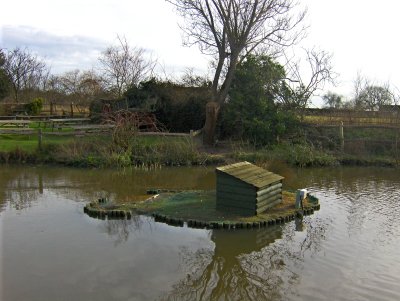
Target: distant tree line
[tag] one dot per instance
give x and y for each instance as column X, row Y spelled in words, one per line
column 24, row 75
column 260, row 106
column 367, row 95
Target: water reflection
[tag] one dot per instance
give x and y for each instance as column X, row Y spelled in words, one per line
column 228, row 272
column 120, row 229
column 23, row 185
column 347, row 250
column 250, row 264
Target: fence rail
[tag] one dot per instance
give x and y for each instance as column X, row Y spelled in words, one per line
column 51, row 108
column 326, row 117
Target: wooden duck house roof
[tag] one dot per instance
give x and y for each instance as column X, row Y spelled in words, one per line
column 250, row 174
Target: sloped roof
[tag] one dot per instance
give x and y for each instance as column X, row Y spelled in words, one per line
column 250, row 174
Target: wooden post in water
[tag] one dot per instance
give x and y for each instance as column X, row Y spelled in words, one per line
column 40, row 138
column 40, row 183
column 396, row 147
column 341, row 136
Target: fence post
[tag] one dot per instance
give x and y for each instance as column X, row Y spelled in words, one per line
column 40, row 138
column 72, row 109
column 341, row 136
column 51, row 108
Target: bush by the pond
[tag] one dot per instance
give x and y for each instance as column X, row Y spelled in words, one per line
column 301, row 155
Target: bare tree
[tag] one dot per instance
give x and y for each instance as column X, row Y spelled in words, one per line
column 125, row 66
column 81, row 86
column 69, row 82
column 359, row 83
column 91, row 84
column 369, row 95
column 305, row 83
column 4, row 80
column 373, row 97
column 25, row 70
column 230, row 30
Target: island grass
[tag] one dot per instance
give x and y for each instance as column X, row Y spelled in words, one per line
column 201, row 206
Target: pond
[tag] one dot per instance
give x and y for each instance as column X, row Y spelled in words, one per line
column 51, row 250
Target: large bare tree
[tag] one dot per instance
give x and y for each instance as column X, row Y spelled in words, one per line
column 25, row 70
column 125, row 66
column 230, row 30
column 304, row 80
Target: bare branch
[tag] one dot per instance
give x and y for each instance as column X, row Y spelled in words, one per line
column 25, row 70
column 320, row 71
column 125, row 66
column 233, row 29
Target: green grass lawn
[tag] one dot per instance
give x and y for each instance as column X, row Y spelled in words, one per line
column 29, row 143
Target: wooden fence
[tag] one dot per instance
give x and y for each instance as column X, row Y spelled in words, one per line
column 334, row 117
column 52, row 108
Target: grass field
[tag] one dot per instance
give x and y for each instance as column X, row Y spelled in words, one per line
column 29, row 143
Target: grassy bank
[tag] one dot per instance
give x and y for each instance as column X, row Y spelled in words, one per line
column 295, row 155
column 102, row 151
column 156, row 151
column 308, row 156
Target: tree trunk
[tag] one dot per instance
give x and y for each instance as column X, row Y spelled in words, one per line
column 212, row 109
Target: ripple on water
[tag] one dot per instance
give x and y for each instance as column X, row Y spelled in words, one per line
column 349, row 250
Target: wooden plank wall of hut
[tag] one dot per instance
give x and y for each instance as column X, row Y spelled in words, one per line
column 269, row 196
column 235, row 195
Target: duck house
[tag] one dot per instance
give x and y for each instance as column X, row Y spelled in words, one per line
column 247, row 189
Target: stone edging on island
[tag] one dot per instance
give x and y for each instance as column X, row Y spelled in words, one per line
column 93, row 210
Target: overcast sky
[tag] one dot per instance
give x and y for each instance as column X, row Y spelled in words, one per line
column 362, row 35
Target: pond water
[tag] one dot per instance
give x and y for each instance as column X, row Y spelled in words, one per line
column 51, row 250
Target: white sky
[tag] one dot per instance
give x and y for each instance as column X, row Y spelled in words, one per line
column 362, row 35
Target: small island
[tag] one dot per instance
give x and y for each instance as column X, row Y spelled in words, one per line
column 265, row 203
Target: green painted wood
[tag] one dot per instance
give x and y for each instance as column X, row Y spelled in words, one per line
column 238, row 196
column 232, row 166
column 268, row 181
column 229, row 180
column 269, row 195
column 268, row 201
column 230, row 200
column 256, row 176
column 247, row 188
column 250, row 191
column 269, row 189
column 262, row 209
column 238, row 199
column 249, row 173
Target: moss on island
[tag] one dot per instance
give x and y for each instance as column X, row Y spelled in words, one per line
column 198, row 209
